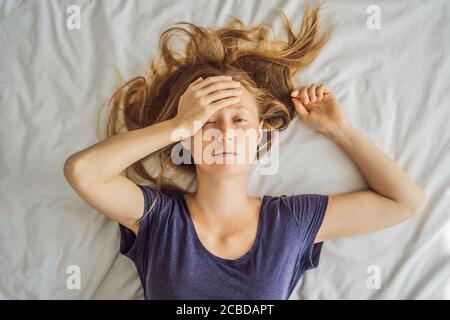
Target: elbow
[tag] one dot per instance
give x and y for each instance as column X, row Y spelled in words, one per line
column 418, row 204
column 78, row 172
column 72, row 169
column 422, row 202
column 422, row 205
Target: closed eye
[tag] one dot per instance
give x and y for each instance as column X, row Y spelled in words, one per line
column 236, row 120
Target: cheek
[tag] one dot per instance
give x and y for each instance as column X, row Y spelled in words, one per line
column 248, row 141
column 194, row 148
column 200, row 146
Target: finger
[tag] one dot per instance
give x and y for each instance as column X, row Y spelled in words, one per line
column 295, row 93
column 221, row 94
column 196, row 81
column 301, row 110
column 210, row 80
column 320, row 91
column 312, row 92
column 224, row 103
column 221, row 85
column 304, row 95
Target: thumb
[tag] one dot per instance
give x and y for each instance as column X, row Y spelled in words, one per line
column 302, row 112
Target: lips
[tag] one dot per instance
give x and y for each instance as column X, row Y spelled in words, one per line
column 224, row 153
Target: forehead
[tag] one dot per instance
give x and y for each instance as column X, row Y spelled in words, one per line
column 246, row 104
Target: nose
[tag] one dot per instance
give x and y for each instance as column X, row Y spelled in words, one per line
column 223, row 127
column 224, row 135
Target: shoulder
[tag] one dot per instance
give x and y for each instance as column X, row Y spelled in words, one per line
column 158, row 208
column 162, row 194
column 304, row 201
column 159, row 203
column 296, row 201
column 301, row 206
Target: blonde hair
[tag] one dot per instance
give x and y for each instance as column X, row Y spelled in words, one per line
column 265, row 67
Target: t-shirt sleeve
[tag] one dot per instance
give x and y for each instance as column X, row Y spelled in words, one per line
column 131, row 245
column 309, row 211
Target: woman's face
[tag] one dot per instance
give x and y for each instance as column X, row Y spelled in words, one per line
column 228, row 141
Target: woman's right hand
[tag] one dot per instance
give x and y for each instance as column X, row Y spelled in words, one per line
column 203, row 98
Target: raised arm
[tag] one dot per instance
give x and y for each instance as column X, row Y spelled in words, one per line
column 392, row 198
column 94, row 173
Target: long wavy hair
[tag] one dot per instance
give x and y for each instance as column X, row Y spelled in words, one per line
column 265, row 66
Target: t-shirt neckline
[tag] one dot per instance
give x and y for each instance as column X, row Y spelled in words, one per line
column 197, row 240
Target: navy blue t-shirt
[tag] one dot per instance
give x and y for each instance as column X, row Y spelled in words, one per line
column 172, row 263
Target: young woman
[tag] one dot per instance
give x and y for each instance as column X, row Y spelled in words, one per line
column 219, row 242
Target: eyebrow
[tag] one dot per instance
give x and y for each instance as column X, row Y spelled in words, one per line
column 241, row 107
column 235, row 109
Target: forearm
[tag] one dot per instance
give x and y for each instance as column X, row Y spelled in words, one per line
column 108, row 158
column 382, row 174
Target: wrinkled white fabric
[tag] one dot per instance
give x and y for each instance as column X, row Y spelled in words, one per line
column 393, row 84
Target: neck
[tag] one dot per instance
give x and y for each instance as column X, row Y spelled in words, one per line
column 224, row 196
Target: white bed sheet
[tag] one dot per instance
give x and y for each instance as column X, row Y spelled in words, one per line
column 393, row 84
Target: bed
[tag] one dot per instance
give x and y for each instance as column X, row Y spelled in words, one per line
column 392, row 81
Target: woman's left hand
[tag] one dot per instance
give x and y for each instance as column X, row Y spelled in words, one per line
column 318, row 108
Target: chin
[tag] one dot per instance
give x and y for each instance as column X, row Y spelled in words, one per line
column 225, row 165
column 224, row 169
